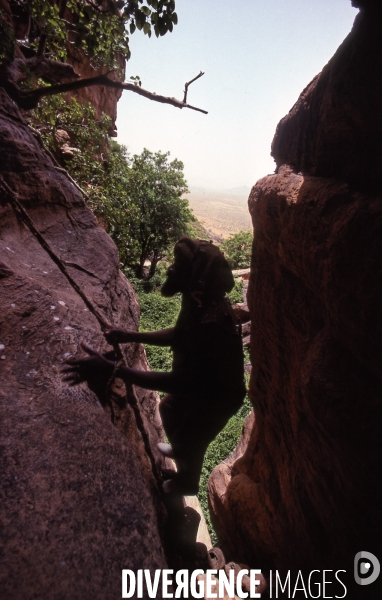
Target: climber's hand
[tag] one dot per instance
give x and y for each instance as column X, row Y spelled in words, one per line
column 119, row 336
column 95, row 369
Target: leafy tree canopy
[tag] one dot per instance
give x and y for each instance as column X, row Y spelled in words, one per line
column 159, row 215
column 99, row 28
column 237, row 249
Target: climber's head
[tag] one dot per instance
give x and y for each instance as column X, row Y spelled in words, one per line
column 200, row 270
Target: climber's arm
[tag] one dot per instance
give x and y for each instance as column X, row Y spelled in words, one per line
column 150, row 380
column 165, row 337
column 96, row 367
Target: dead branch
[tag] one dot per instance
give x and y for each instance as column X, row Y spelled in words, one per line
column 28, row 99
column 189, row 83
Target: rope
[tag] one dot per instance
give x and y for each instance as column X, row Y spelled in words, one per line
column 22, row 214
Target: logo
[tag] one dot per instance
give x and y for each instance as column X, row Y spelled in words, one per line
column 366, row 568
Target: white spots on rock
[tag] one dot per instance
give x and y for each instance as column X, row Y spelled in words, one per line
column 23, row 326
column 62, row 303
column 45, row 272
column 13, row 305
column 36, row 291
column 32, row 373
column 2, row 347
column 3, row 357
column 13, row 252
column 27, row 352
column 52, row 307
column 56, row 318
column 66, row 355
column 68, row 328
column 86, row 310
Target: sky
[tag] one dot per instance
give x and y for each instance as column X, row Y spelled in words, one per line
column 257, row 55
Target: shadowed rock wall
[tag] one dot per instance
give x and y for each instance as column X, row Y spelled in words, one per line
column 78, row 499
column 307, row 492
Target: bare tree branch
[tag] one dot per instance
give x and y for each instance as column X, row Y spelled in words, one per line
column 28, row 100
column 189, row 83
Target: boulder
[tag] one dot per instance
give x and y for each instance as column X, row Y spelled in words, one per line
column 79, row 501
column 335, row 127
column 218, row 483
column 305, row 494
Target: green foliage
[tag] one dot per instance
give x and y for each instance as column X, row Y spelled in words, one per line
column 138, row 200
column 158, row 313
column 222, row 446
column 159, row 215
column 87, row 136
column 7, row 38
column 100, row 29
column 236, row 295
column 237, row 249
column 99, row 166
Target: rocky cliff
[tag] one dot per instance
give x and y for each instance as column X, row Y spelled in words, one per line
column 103, row 99
column 306, row 494
column 79, row 500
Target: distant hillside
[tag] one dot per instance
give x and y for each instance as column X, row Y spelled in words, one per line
column 221, row 212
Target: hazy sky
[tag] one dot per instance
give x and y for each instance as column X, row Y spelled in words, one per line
column 258, row 55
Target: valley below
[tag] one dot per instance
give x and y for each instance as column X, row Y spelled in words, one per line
column 221, row 212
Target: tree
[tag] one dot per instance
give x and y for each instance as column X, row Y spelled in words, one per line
column 237, row 249
column 159, row 216
column 136, row 200
column 99, row 28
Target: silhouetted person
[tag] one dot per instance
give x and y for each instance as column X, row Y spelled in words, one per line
column 206, row 384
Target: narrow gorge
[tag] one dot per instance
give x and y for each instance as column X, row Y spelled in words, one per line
column 302, row 491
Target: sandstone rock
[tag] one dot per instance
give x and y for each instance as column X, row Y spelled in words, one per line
column 241, row 311
column 68, row 151
column 316, row 379
column 247, row 341
column 216, row 559
column 242, row 273
column 305, row 494
column 103, row 99
column 246, row 329
column 203, row 536
column 78, row 498
column 219, row 481
column 61, row 136
column 335, row 127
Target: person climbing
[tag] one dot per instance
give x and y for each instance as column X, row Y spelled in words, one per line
column 206, row 385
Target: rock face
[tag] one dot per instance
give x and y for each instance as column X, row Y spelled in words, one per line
column 103, row 99
column 306, row 494
column 335, row 128
column 79, row 501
